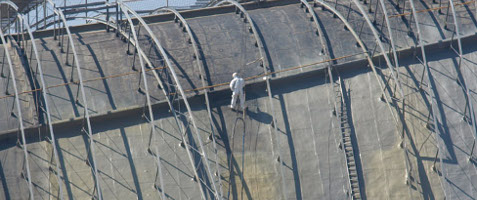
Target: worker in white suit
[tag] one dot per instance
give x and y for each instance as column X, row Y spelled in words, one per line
column 236, row 85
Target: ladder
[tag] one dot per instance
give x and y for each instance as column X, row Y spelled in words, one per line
column 346, row 143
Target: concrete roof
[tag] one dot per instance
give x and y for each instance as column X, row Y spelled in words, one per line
column 308, row 133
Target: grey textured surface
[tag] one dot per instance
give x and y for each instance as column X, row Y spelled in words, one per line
column 248, row 149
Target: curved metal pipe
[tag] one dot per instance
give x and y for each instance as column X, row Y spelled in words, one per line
column 48, row 115
column 327, row 52
column 431, row 91
column 19, row 111
column 380, row 44
column 363, row 48
column 266, row 68
column 146, row 88
column 83, row 95
column 393, row 47
column 197, row 56
column 148, row 63
column 22, row 19
column 396, row 62
column 461, row 54
column 127, row 9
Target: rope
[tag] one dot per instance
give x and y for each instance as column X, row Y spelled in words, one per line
column 189, row 90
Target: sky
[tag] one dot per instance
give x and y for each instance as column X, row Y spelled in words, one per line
column 134, row 4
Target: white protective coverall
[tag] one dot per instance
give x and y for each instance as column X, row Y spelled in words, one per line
column 236, row 85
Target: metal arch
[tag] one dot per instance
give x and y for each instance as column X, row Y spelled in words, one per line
column 49, row 24
column 148, row 63
column 363, row 48
column 393, row 47
column 327, row 54
column 45, row 95
column 20, row 119
column 318, row 28
column 10, row 3
column 253, row 29
column 45, row 98
column 459, row 43
column 127, row 9
column 380, row 44
column 431, row 91
column 315, row 19
column 396, row 62
column 148, row 98
column 202, row 76
column 266, row 68
column 83, row 95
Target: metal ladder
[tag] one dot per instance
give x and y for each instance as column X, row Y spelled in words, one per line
column 346, row 143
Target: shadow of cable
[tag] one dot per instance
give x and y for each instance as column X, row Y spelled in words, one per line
column 260, row 116
column 63, row 76
column 131, row 163
column 233, row 165
column 6, row 191
column 289, row 135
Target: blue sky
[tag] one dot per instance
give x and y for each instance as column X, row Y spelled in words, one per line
column 134, row 4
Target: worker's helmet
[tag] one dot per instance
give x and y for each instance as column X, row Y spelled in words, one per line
column 234, row 74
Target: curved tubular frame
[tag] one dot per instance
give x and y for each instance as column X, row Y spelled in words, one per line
column 197, row 56
column 45, row 94
column 326, row 51
column 380, row 44
column 19, row 110
column 148, row 62
column 266, row 69
column 364, row 49
column 48, row 115
column 396, row 68
column 83, row 95
column 469, row 99
column 146, row 88
column 127, row 9
column 431, row 92
column 393, row 47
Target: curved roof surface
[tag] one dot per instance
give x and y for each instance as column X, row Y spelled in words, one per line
column 346, row 100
